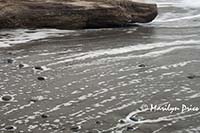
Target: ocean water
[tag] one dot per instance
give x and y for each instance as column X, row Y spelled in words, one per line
column 105, row 80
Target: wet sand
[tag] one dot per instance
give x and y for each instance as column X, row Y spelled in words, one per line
column 104, row 80
column 96, row 79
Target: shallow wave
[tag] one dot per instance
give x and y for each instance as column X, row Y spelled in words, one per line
column 179, row 3
column 127, row 49
column 19, row 36
column 189, row 4
column 166, row 19
column 180, row 13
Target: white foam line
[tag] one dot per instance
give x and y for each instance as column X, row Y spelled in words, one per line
column 147, row 55
column 178, row 116
column 122, row 50
column 19, row 36
column 189, row 4
column 179, row 3
column 165, row 4
column 179, row 19
column 18, row 108
column 161, row 52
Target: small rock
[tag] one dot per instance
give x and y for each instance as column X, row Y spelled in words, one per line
column 41, row 78
column 141, row 65
column 129, row 128
column 10, row 128
column 75, row 128
column 134, row 119
column 38, row 68
column 10, row 53
column 6, row 98
column 122, row 121
column 33, row 100
column 191, row 76
column 9, row 61
column 21, row 66
column 44, row 116
column 99, row 123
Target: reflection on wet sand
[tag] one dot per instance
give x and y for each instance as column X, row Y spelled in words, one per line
column 103, row 81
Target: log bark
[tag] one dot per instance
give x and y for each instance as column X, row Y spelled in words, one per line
column 71, row 14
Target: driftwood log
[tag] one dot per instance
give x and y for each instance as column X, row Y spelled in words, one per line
column 73, row 14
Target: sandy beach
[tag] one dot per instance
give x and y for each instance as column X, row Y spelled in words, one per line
column 141, row 79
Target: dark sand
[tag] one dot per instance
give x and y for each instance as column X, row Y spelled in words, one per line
column 98, row 79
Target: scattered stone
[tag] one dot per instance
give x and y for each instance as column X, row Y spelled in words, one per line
column 129, row 128
column 10, row 128
column 9, row 61
column 10, row 53
column 44, row 116
column 38, row 68
column 21, row 66
column 141, row 65
column 134, row 119
column 33, row 100
column 75, row 128
column 122, row 121
column 6, row 98
column 193, row 76
column 99, row 122
column 41, row 78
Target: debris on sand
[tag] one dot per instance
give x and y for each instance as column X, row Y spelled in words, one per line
column 41, row 78
column 7, row 98
column 75, row 128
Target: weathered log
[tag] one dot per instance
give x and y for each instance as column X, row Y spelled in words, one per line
column 66, row 14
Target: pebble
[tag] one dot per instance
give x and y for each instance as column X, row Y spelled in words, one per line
column 6, row 98
column 75, row 128
column 193, row 76
column 134, row 119
column 38, row 68
column 33, row 100
column 129, row 128
column 10, row 53
column 9, row 61
column 41, row 78
column 99, row 122
column 21, row 66
column 122, row 121
column 10, row 128
column 44, row 116
column 141, row 65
